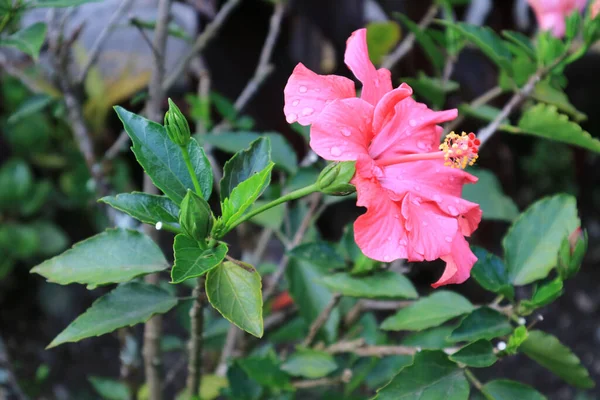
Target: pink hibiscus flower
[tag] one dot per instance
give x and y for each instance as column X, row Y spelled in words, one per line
column 551, row 14
column 595, row 9
column 412, row 195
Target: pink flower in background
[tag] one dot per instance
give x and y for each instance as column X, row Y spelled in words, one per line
column 595, row 9
column 412, row 195
column 551, row 14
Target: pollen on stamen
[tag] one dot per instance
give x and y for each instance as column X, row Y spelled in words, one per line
column 460, row 150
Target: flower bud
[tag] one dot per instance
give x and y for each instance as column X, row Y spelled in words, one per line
column 195, row 217
column 335, row 178
column 571, row 253
column 176, row 125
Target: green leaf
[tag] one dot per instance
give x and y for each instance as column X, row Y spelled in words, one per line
column 483, row 112
column 16, row 182
column 109, row 389
column 266, row 371
column 386, row 369
column 308, row 363
column 163, row 160
column 382, row 36
column 488, row 193
column 147, row 208
column 522, row 42
column 431, row 377
column 425, row 41
column 235, row 291
column 28, row 40
column 545, row 121
column 128, row 304
column 245, row 164
column 383, row 284
column 547, row 351
column 430, row 339
column 491, row 273
column 487, row 41
column 59, row 3
column 483, row 323
column 29, row 107
column 191, row 261
column 113, row 256
column 504, row 389
column 271, row 218
column 195, row 217
column 545, row 92
column 241, row 385
column 532, row 243
column 310, row 297
column 542, row 296
column 321, row 254
column 479, row 354
column 282, row 153
column 434, row 90
column 51, row 238
column 515, row 340
column 429, row 312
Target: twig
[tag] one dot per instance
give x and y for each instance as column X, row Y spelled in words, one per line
column 360, row 348
column 228, row 349
column 20, row 74
column 97, row 46
column 477, row 102
column 314, row 383
column 321, row 320
column 279, row 318
column 195, row 343
column 142, row 31
column 153, row 328
column 9, row 387
column 473, row 379
column 211, row 30
column 409, row 40
column 371, row 305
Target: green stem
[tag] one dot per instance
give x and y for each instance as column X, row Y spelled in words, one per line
column 190, row 168
column 473, row 379
column 171, row 228
column 296, row 194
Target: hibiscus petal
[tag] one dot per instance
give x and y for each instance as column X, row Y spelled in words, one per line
column 385, row 108
column 342, row 131
column 307, row 93
column 458, row 263
column 375, row 82
column 380, row 232
column 430, row 232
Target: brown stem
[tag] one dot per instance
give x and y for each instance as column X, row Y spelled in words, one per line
column 477, row 102
column 195, row 343
column 318, row 323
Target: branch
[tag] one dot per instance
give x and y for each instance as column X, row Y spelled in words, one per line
column 211, row 30
column 195, row 343
column 409, row 40
column 360, row 348
column 9, row 385
column 485, row 98
column 346, row 377
column 372, row 305
column 97, row 46
column 321, row 320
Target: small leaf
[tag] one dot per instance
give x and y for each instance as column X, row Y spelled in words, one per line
column 191, row 261
column 321, row 254
column 483, row 323
column 28, row 40
column 532, row 243
column 479, row 354
column 383, row 284
column 542, row 296
column 521, row 41
column 491, row 273
column 431, row 376
column 129, row 304
column 504, row 389
column 236, row 293
column 308, row 363
column 430, row 339
column 163, row 160
column 195, row 217
column 266, row 371
column 425, row 41
column 382, row 36
column 546, row 122
column 429, row 312
column 109, row 389
column 434, row 90
column 515, row 340
column 114, row 256
column 245, row 164
column 545, row 92
column 488, row 193
column 30, row 106
column 144, row 207
column 550, row 353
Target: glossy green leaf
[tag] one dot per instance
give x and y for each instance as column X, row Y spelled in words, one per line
column 504, row 389
column 521, row 41
column 30, row 106
column 550, row 353
column 163, row 160
column 386, row 369
column 531, row 245
column 515, row 340
column 479, row 354
column 545, row 92
column 382, row 36
column 488, row 193
column 434, row 90
column 430, row 339
column 282, row 153
column 483, row 112
column 51, row 238
column 28, row 40
column 113, row 256
column 429, row 312
column 195, row 217
column 483, row 323
column 245, row 164
column 321, row 254
column 308, row 363
column 491, row 273
column 547, row 122
column 425, row 41
column 127, row 305
column 241, row 386
column 109, row 389
column 382, row 284
column 542, row 296
column 235, row 292
column 16, row 182
column 144, row 207
column 191, row 261
column 266, row 371
column 431, row 376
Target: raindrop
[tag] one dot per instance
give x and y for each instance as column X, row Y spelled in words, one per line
column 346, row 131
column 302, row 89
column 417, row 188
column 453, row 211
column 422, row 145
column 448, row 239
column 295, row 102
column 335, row 151
column 376, row 82
column 159, row 226
column 308, row 111
column 403, row 242
column 387, row 257
column 416, row 201
column 412, row 122
column 397, row 216
column 425, row 223
column 291, row 118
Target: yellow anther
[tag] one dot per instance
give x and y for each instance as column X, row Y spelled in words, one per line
column 460, row 150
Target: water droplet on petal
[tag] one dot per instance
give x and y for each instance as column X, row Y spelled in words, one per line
column 448, row 239
column 387, row 257
column 412, row 122
column 302, row 89
column 453, row 211
column 335, row 151
column 317, row 90
column 456, row 201
column 376, row 82
column 308, row 111
column 422, row 145
column 346, row 131
column 295, row 102
column 417, row 188
column 291, row 118
column 397, row 216
column 437, row 198
column 416, row 201
column 425, row 223
column 403, row 242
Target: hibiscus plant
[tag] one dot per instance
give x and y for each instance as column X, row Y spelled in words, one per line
column 343, row 320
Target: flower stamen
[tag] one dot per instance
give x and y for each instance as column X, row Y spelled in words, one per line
column 460, row 150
